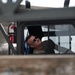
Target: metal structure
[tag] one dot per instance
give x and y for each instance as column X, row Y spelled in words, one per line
column 25, row 17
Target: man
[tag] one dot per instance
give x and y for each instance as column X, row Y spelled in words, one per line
column 44, row 47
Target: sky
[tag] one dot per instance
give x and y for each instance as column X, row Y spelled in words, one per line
column 46, row 3
column 49, row 3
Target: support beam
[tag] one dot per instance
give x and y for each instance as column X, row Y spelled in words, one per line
column 20, row 39
column 54, row 14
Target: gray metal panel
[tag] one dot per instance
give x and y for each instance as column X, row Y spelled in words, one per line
column 44, row 14
column 20, row 39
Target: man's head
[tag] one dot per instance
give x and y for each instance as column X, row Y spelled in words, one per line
column 33, row 41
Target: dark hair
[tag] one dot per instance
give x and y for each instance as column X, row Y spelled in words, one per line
column 28, row 37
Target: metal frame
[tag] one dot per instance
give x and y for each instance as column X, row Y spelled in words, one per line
column 29, row 16
column 54, row 14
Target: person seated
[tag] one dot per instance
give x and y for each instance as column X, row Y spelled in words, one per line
column 44, row 47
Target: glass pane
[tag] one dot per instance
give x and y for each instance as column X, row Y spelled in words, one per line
column 60, row 34
column 73, row 44
column 64, row 39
